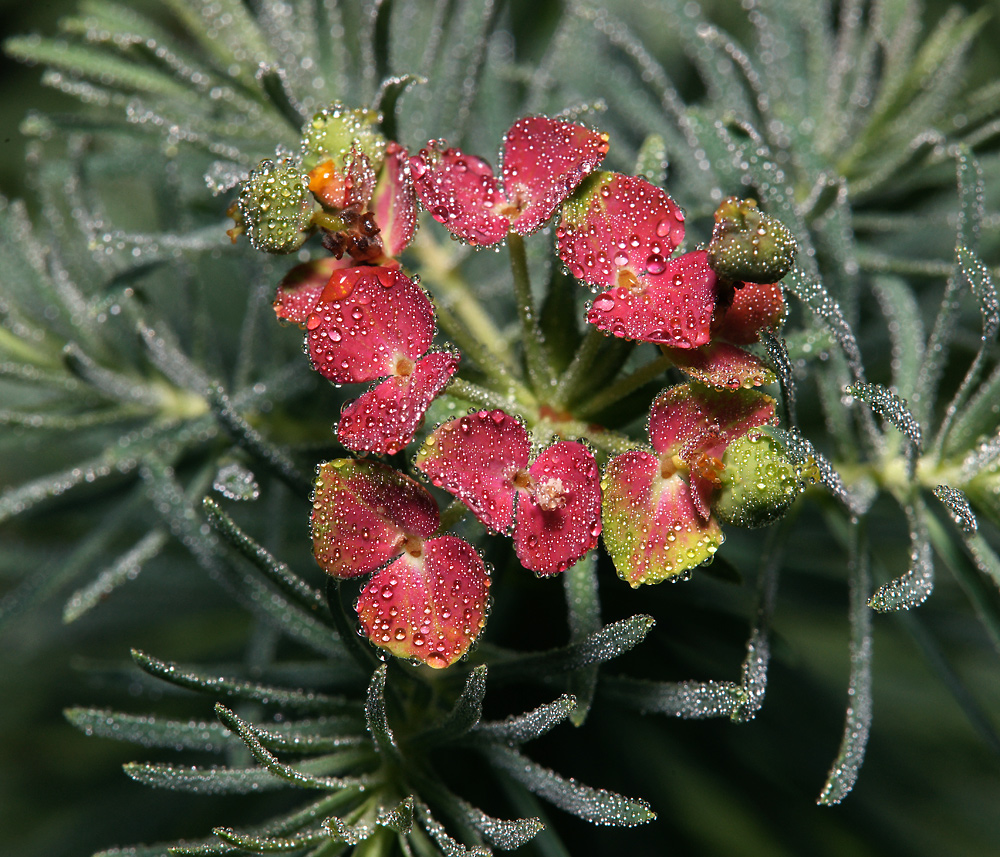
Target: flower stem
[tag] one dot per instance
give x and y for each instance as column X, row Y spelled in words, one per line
column 485, row 398
column 473, row 348
column 452, row 514
column 539, row 372
column 628, row 384
column 438, row 271
column 579, row 369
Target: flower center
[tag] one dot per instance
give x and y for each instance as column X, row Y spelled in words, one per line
column 550, row 494
column 403, row 366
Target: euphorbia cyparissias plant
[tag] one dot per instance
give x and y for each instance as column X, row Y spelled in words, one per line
column 366, row 320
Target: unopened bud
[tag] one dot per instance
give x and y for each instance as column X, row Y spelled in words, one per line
column 276, row 207
column 748, row 245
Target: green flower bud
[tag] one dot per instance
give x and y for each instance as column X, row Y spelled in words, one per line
column 759, row 481
column 333, row 132
column 748, row 245
column 276, row 207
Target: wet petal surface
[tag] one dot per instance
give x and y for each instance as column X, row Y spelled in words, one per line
column 618, row 225
column 543, row 162
column 754, row 307
column 461, row 192
column 673, row 308
column 722, row 366
column 559, row 518
column 430, row 607
column 300, row 289
column 652, row 529
column 394, row 203
column 476, row 457
column 385, row 418
column 366, row 319
column 363, row 514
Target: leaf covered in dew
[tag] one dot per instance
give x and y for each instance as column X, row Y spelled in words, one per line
column 559, row 517
column 363, row 514
column 429, row 607
column 652, row 527
column 476, row 457
column 672, row 306
column 370, row 322
column 617, row 225
column 335, row 132
column 385, row 418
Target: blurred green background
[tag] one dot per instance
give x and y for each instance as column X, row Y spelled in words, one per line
column 930, row 784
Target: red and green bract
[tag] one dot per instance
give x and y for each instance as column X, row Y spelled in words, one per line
column 552, row 507
column 428, row 596
column 543, row 161
column 657, row 504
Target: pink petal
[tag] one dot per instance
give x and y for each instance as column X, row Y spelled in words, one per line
column 543, row 162
column 618, row 228
column 754, row 307
column 722, row 366
column 300, row 289
column 652, row 529
column 461, row 192
column 385, row 418
column 367, row 320
column 689, row 418
column 476, row 457
column 430, row 608
column 674, row 308
column 560, row 520
column 394, row 203
column 363, row 513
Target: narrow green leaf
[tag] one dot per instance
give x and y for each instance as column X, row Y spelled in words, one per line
column 295, row 776
column 956, row 503
column 520, row 728
column 126, row 567
column 449, row 847
column 906, row 331
column 911, row 589
column 506, row 834
column 375, row 714
column 399, row 818
column 464, row 715
column 350, row 834
column 777, row 356
column 277, row 572
column 207, row 781
column 611, row 641
column 229, row 688
column 150, row 730
column 595, row 805
column 890, row 407
column 272, row 844
column 844, row 772
column 583, row 608
column 651, row 162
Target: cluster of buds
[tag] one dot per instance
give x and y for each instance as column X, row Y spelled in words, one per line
column 366, row 320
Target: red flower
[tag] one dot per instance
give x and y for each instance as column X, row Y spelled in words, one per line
column 657, row 504
column 428, row 596
column 367, row 323
column 552, row 507
column 543, row 161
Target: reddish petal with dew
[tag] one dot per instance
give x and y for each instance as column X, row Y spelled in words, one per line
column 754, row 306
column 430, row 607
column 385, row 418
column 722, row 366
column 394, row 203
column 368, row 321
column 365, row 514
column 689, row 418
column 652, row 529
column 673, row 308
column 618, row 229
column 461, row 192
column 300, row 289
column 476, row 458
column 543, row 162
column 559, row 516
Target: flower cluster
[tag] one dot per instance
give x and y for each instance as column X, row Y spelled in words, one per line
column 368, row 321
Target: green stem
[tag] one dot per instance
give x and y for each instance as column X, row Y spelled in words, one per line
column 628, row 384
column 470, row 346
column 486, row 398
column 539, row 371
column 577, row 371
column 440, row 274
